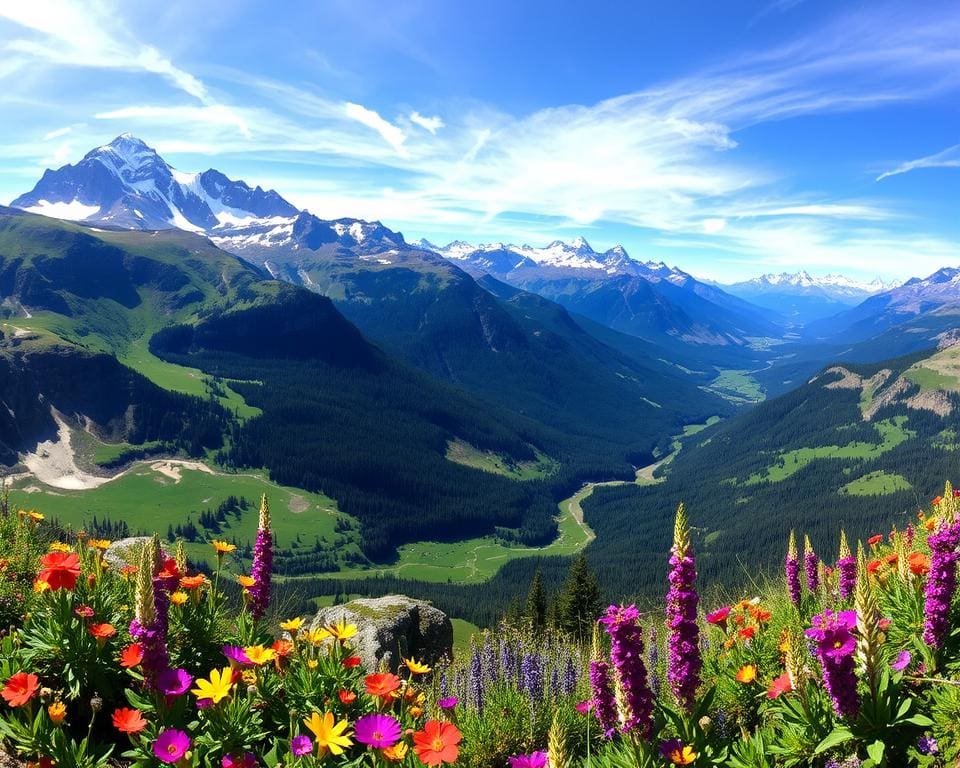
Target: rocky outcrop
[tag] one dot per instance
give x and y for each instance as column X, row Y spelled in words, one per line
column 125, row 551
column 393, row 626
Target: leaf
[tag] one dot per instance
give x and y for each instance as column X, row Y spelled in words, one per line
column 876, row 751
column 835, row 738
column 904, row 709
column 921, row 720
column 271, row 758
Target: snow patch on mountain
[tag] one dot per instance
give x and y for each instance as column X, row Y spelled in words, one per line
column 72, row 211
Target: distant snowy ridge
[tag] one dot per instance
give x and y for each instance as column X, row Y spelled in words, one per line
column 803, row 279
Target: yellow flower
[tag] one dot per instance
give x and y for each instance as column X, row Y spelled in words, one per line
column 329, row 735
column 316, row 636
column 259, row 655
column 342, row 631
column 179, row 598
column 416, row 667
column 32, row 514
column 312, row 663
column 245, row 581
column 415, row 712
column 40, row 586
column 682, row 755
column 291, row 625
column 57, row 712
column 249, row 677
column 103, row 544
column 747, row 674
column 222, row 548
column 59, row 546
column 396, row 753
column 217, row 687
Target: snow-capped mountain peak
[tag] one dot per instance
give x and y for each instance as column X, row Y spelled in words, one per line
column 803, row 279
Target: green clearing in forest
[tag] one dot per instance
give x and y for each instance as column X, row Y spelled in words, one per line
column 892, row 433
column 461, row 452
column 877, row 483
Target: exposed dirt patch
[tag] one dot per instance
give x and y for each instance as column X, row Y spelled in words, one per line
column 298, row 504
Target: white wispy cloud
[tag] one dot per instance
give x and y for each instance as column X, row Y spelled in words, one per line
column 393, row 135
column 57, row 133
column 432, row 124
column 947, row 158
column 87, row 35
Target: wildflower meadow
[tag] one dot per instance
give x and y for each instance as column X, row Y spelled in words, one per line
column 851, row 659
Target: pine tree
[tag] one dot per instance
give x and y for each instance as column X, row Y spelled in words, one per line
column 578, row 603
column 536, row 608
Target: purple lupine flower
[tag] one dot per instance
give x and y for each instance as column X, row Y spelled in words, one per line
column 835, row 647
column 811, row 565
column 941, row 583
column 262, row 569
column 555, row 681
column 604, row 702
column 792, row 569
column 626, row 654
column 927, row 745
column 531, row 677
column 570, row 676
column 490, row 659
column 683, row 642
column 506, row 660
column 444, row 685
column 476, row 681
column 846, row 568
column 653, row 660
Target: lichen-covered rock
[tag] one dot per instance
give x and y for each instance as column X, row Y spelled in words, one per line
column 125, row 551
column 390, row 627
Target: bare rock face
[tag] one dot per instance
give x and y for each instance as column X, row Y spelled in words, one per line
column 390, row 627
column 125, row 551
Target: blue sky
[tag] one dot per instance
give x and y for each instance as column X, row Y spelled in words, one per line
column 727, row 138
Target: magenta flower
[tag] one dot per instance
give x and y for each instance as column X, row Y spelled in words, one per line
column 236, row 655
column 792, row 568
column 941, row 583
column 450, row 702
column 847, row 566
column 811, row 566
column 246, row 760
column 626, row 654
column 835, row 650
column 378, row 731
column 901, row 662
column 262, row 568
column 584, row 707
column 719, row 617
column 604, row 701
column 171, row 745
column 683, row 638
column 533, row 760
column 301, row 745
column 174, row 682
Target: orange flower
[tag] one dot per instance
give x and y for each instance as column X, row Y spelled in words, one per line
column 874, row 540
column 128, row 720
column 193, row 582
column 128, row 570
column 892, row 558
column 747, row 633
column 761, row 615
column 437, row 743
column 60, row 570
column 102, row 631
column 20, row 689
column 347, row 697
column 874, row 565
column 919, row 563
column 245, row 581
column 57, row 712
column 747, row 674
column 131, row 656
column 381, row 684
column 283, row 648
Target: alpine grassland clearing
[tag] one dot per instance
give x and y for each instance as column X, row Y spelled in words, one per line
column 878, row 483
column 892, row 433
column 461, row 452
column 156, row 495
column 737, row 386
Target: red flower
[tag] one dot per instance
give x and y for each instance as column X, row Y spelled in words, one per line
column 61, row 570
column 873, row 540
column 169, row 570
column 437, row 743
column 351, row 661
column 102, row 631
column 381, row 684
column 892, row 558
column 20, row 689
column 874, row 565
column 719, row 616
column 131, row 656
column 747, row 633
column 779, row 686
column 884, row 624
column 128, row 720
column 347, row 697
column 283, row 648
